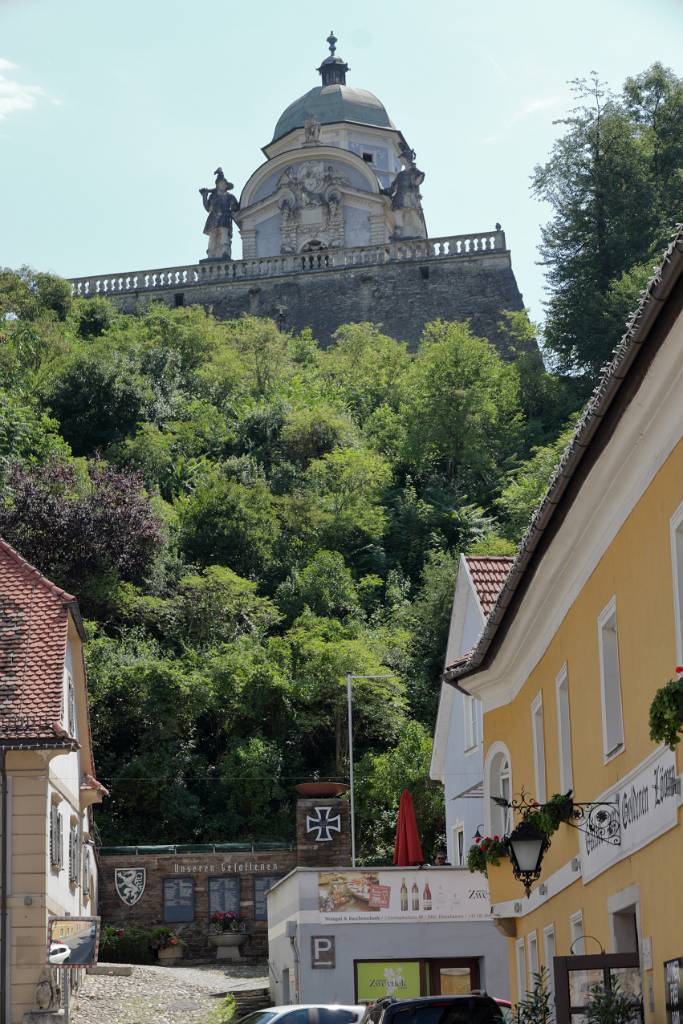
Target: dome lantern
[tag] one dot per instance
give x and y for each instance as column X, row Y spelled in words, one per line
column 333, row 69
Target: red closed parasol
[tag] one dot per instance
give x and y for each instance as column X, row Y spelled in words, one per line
column 407, row 848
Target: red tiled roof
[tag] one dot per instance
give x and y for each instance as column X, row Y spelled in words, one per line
column 488, row 573
column 33, row 634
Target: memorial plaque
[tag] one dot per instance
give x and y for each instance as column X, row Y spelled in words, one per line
column 178, row 899
column 673, row 987
column 261, row 887
column 224, row 895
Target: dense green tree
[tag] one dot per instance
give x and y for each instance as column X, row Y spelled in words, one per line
column 614, row 183
column 225, row 522
column 460, row 410
column 527, row 485
column 381, row 778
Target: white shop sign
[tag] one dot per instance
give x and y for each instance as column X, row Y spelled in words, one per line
column 646, row 803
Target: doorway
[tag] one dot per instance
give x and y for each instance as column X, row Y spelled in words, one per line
column 575, row 976
column 453, row 977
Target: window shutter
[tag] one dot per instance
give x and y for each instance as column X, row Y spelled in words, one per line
column 55, row 836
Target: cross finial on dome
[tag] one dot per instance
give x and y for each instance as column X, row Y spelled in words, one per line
column 332, row 40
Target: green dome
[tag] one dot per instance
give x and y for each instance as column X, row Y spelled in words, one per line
column 331, row 103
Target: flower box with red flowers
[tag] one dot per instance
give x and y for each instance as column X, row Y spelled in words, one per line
column 226, row 921
column 484, row 851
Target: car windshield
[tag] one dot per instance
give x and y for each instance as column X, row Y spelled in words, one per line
column 465, row 1011
column 258, row 1017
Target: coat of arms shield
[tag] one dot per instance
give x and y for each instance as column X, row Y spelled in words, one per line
column 130, row 884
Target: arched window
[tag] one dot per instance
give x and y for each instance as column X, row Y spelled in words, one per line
column 499, row 784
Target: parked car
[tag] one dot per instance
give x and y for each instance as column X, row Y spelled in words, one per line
column 59, row 953
column 474, row 1008
column 306, row 1013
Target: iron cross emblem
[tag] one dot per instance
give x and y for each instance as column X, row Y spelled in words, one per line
column 323, row 823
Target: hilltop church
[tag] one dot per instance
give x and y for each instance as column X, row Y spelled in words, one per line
column 333, row 232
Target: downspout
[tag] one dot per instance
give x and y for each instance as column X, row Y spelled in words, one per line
column 4, row 876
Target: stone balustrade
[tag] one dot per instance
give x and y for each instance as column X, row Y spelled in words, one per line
column 218, row 271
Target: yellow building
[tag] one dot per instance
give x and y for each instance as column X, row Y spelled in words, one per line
column 588, row 626
column 47, row 784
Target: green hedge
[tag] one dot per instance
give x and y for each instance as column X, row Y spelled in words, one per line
column 126, row 944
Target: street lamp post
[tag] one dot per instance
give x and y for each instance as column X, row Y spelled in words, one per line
column 349, row 706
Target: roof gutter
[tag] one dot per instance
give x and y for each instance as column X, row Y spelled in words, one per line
column 637, row 332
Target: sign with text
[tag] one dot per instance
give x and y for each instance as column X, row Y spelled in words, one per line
column 323, row 951
column 442, row 894
column 397, row 978
column 261, row 887
column 644, row 805
column 72, row 941
column 228, row 867
column 673, row 988
column 178, row 899
column 224, row 895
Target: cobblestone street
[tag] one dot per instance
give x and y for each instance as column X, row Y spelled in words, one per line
column 162, row 995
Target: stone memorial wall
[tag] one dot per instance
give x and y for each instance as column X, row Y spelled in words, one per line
column 181, row 886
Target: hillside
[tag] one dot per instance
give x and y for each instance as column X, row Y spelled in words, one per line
column 246, row 518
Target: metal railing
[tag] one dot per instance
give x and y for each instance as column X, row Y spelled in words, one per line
column 219, row 271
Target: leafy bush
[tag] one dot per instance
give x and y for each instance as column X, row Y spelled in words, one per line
column 126, row 945
column 535, row 1007
column 666, row 714
column 224, row 1012
column 611, row 1007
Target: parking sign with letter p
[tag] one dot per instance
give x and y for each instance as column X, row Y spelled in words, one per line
column 322, row 951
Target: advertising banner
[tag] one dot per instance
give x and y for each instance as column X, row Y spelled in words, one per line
column 398, row 978
column 411, row 895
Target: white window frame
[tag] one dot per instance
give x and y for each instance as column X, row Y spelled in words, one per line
column 532, row 957
column 577, row 946
column 537, row 732
column 71, row 723
column 676, row 535
column 564, row 730
column 520, row 961
column 496, row 753
column 549, row 953
column 608, row 613
column 457, row 831
column 471, row 723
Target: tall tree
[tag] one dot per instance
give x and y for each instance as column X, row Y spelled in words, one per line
column 614, row 187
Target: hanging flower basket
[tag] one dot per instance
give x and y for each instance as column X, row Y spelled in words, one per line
column 666, row 714
column 485, row 852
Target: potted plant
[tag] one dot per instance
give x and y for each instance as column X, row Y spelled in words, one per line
column 666, row 714
column 227, row 932
column 169, row 946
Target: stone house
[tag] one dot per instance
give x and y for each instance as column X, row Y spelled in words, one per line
column 47, row 781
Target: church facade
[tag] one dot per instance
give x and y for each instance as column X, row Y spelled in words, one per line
column 333, row 232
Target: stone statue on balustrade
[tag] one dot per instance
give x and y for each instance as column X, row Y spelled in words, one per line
column 406, row 201
column 221, row 205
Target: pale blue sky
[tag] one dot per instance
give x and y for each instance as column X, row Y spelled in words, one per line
column 113, row 114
